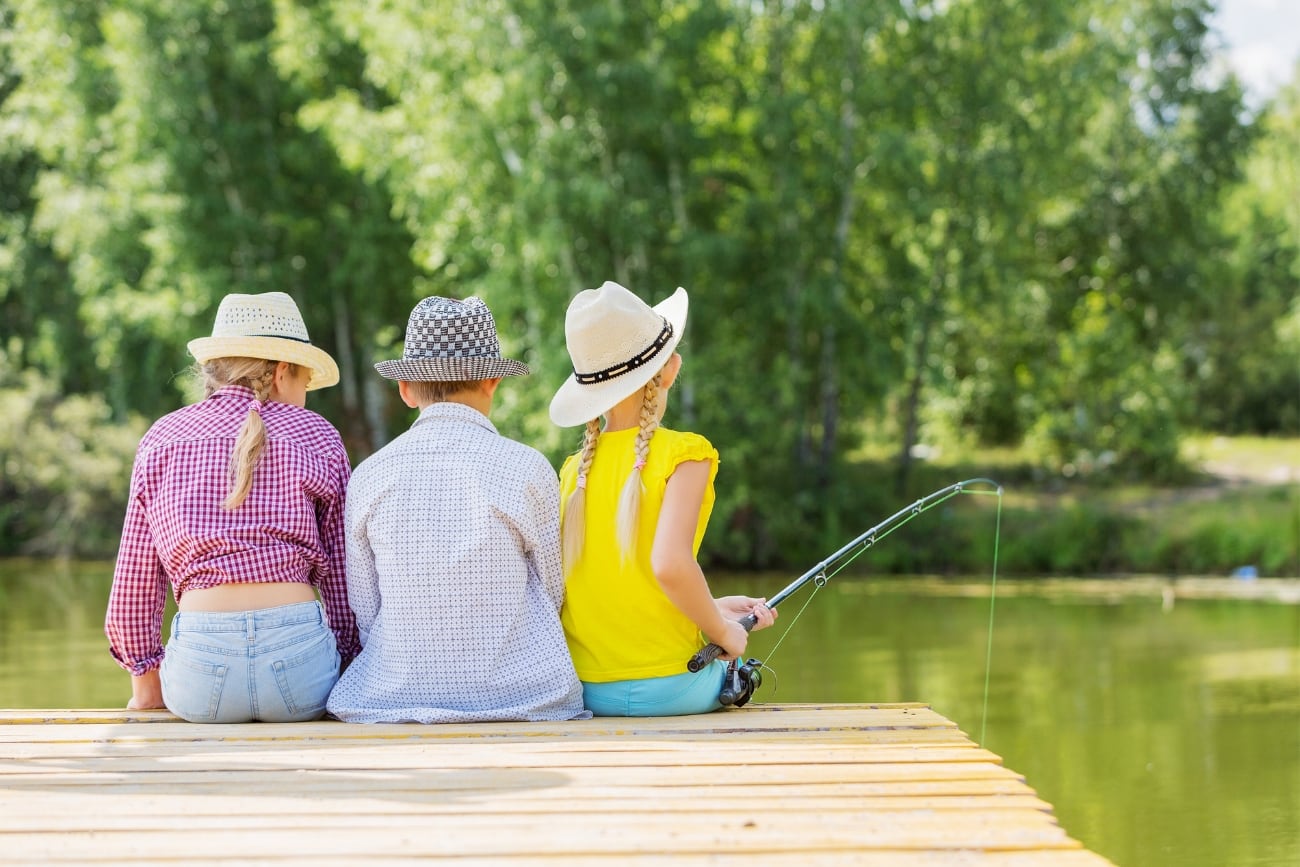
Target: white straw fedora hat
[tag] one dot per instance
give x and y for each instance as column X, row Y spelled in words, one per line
column 265, row 326
column 617, row 343
column 451, row 341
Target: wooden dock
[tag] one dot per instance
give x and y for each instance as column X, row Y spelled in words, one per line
column 801, row 785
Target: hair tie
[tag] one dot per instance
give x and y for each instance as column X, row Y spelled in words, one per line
column 639, row 465
column 255, row 405
column 582, row 482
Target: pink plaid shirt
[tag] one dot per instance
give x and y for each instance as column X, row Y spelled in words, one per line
column 289, row 529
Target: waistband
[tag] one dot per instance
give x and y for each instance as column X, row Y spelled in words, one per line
column 259, row 618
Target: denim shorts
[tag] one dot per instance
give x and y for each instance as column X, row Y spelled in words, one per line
column 270, row 665
column 674, row 695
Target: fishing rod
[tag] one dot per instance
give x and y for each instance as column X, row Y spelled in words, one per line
column 738, row 686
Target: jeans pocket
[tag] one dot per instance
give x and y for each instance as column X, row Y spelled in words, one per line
column 305, row 679
column 192, row 688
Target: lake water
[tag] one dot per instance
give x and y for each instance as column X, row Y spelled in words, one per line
column 1165, row 735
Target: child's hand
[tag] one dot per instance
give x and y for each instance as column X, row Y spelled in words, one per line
column 736, row 607
column 733, row 640
column 146, row 692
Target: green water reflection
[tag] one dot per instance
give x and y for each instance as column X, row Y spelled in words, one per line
column 1162, row 737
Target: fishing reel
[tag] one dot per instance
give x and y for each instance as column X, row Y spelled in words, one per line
column 740, row 682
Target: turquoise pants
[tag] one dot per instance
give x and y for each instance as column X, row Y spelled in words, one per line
column 673, row 695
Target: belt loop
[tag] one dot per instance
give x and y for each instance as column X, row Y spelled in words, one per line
column 250, row 625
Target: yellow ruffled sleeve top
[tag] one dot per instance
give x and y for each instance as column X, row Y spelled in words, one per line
column 618, row 622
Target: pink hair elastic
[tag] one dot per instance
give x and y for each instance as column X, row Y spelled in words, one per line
column 582, row 482
column 254, row 405
column 639, row 465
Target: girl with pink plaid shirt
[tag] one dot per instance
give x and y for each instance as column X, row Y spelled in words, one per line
column 237, row 503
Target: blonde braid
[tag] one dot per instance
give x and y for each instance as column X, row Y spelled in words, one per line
column 629, row 502
column 252, row 437
column 573, row 532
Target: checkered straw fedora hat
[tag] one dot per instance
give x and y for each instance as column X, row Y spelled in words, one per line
column 617, row 343
column 451, row 341
column 265, row 326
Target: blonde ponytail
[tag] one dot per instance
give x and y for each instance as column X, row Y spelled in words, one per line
column 257, row 374
column 573, row 533
column 629, row 502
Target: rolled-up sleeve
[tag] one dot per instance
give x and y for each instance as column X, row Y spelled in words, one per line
column 332, row 579
column 133, row 622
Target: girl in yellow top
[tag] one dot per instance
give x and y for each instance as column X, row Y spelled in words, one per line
column 635, row 501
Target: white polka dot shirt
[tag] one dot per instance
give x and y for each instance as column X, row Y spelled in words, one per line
column 453, row 572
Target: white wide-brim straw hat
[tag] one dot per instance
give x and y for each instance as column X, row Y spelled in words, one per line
column 617, row 343
column 451, row 341
column 265, row 326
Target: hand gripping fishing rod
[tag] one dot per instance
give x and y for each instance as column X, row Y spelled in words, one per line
column 822, row 572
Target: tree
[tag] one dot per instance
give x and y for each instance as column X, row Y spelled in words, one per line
column 1142, row 248
column 171, row 122
column 1244, row 357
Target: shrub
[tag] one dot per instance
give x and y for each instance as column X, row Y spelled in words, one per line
column 66, row 469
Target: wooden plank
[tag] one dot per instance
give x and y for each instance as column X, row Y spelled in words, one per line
column 876, row 741
column 800, row 719
column 103, row 738
column 558, row 824
column 32, row 814
column 122, row 715
column 588, row 834
column 446, row 756
column 900, row 858
column 115, row 715
column 305, row 778
column 184, row 738
column 384, row 789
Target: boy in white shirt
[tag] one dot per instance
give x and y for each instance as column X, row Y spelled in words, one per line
column 453, row 552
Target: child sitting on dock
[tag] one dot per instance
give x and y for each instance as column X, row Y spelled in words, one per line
column 636, row 501
column 237, row 502
column 453, row 550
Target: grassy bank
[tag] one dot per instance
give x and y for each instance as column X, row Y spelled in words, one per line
column 1238, row 507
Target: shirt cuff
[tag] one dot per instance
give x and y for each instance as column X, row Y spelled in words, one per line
column 143, row 666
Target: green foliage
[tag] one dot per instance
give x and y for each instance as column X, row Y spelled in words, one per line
column 175, row 172
column 1111, row 417
column 1089, row 531
column 992, row 221
column 66, row 469
column 1260, row 529
column 1245, row 358
column 1079, row 539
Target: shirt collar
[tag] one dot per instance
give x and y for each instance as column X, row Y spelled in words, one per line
column 241, row 392
column 452, row 411
column 239, row 397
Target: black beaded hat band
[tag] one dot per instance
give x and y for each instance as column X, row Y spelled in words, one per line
column 631, row 364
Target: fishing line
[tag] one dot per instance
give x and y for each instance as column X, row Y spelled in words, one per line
column 795, row 619
column 993, row 595
column 776, row 686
